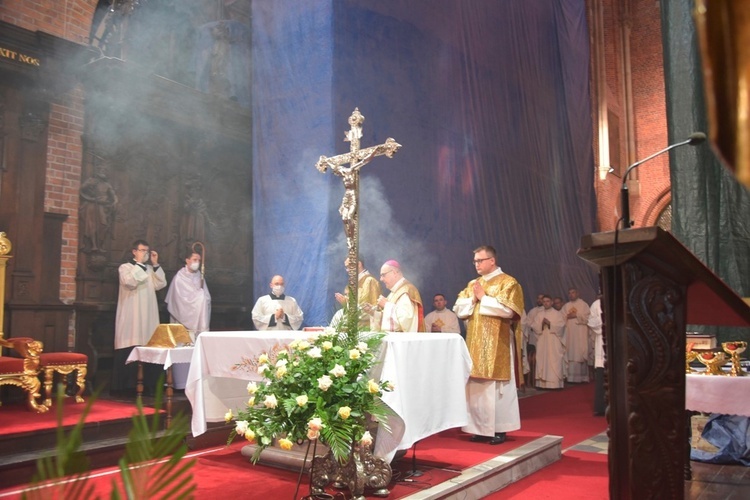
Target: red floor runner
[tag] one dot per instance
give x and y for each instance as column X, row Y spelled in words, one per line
column 568, row 413
column 578, row 475
column 17, row 419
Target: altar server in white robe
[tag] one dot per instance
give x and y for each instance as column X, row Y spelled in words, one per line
column 188, row 299
column 549, row 327
column 595, row 326
column 137, row 309
column 277, row 311
column 576, row 313
column 441, row 319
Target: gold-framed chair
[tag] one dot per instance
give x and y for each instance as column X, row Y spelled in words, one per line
column 63, row 363
column 23, row 371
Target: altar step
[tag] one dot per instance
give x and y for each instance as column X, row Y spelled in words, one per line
column 492, row 475
column 103, row 444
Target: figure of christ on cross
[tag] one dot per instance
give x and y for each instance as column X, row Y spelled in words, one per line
column 349, row 210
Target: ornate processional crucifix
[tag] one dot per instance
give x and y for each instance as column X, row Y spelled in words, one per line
column 349, row 210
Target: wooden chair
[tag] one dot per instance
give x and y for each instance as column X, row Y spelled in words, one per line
column 23, row 372
column 63, row 363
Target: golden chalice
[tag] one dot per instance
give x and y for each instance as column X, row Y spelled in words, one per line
column 713, row 361
column 734, row 349
column 690, row 356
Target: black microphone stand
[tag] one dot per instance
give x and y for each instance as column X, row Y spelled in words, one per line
column 694, row 139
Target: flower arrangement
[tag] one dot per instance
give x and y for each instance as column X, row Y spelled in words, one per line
column 316, row 389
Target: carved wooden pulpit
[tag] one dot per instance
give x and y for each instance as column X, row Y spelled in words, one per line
column 653, row 287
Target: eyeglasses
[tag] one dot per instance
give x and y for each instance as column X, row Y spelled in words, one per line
column 383, row 275
column 142, row 250
column 479, row 261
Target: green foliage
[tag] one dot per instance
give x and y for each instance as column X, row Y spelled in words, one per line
column 151, row 468
column 316, row 389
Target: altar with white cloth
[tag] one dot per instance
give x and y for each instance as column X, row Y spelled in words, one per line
column 429, row 372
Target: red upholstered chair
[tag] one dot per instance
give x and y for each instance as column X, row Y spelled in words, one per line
column 23, row 372
column 63, row 363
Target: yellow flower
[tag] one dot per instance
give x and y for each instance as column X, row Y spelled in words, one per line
column 354, row 354
column 251, row 402
column 304, row 344
column 312, row 434
column 301, row 400
column 250, row 435
column 252, row 388
column 285, row 444
column 327, row 345
column 373, row 386
column 228, row 416
column 280, row 371
column 344, row 412
column 263, row 359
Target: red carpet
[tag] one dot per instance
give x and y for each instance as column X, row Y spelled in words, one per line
column 17, row 419
column 440, row 457
column 567, row 413
column 578, row 475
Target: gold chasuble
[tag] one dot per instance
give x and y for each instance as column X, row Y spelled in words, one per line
column 368, row 290
column 489, row 351
column 410, row 290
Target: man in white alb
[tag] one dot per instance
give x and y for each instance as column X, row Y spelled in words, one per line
column 188, row 300
column 576, row 313
column 441, row 319
column 277, row 311
column 548, row 326
column 137, row 310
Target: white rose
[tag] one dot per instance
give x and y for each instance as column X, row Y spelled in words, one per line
column 338, row 371
column 281, row 362
column 241, row 427
column 252, row 388
column 315, row 352
column 362, row 346
column 270, row 401
column 366, row 439
column 324, row 382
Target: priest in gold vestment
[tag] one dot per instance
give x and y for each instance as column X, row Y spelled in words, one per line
column 492, row 306
column 368, row 291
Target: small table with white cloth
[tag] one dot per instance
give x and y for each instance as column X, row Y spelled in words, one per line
column 429, row 372
column 714, row 394
column 160, row 356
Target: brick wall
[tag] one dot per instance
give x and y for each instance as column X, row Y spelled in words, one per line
column 70, row 20
column 648, row 108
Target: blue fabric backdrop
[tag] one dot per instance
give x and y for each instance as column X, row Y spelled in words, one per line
column 490, row 100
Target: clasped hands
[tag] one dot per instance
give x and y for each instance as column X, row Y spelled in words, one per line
column 279, row 314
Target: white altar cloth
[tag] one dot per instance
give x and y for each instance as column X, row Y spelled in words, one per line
column 429, row 372
column 161, row 355
column 717, row 394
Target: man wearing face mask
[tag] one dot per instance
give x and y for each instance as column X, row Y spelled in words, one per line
column 137, row 310
column 188, row 299
column 277, row 311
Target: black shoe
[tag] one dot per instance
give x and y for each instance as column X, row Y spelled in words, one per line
column 498, row 439
column 479, row 439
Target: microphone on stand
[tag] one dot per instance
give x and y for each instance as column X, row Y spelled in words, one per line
column 694, row 139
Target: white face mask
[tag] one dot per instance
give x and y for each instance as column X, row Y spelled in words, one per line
column 146, row 258
column 194, row 266
column 278, row 290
